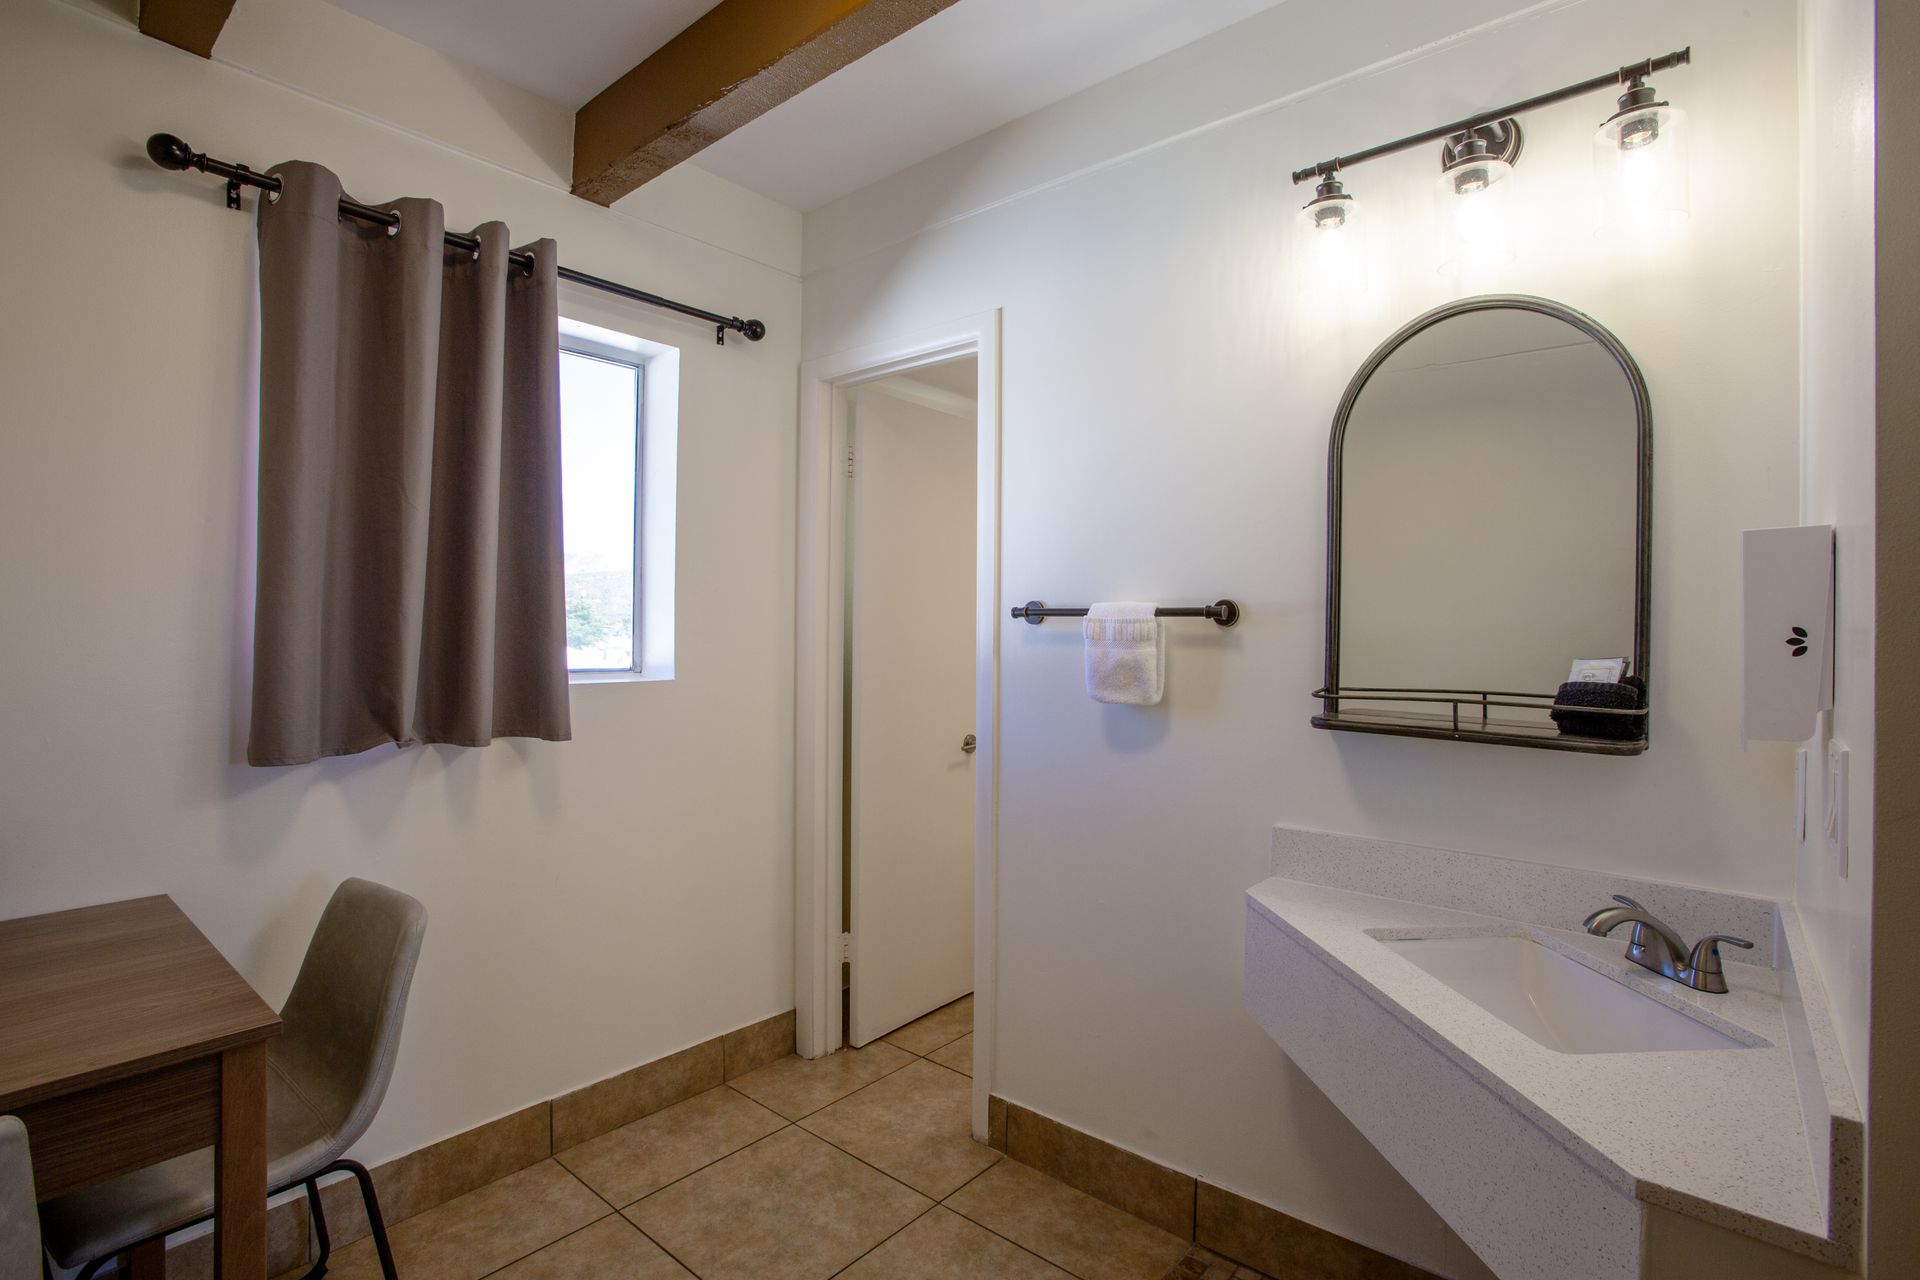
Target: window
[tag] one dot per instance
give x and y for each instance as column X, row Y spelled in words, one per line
column 616, row 403
column 600, row 402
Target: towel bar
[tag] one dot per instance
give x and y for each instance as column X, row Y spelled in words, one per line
column 1224, row 612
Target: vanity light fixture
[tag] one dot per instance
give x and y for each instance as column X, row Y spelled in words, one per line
column 1480, row 150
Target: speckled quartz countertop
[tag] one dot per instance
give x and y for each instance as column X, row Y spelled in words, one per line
column 1718, row 1135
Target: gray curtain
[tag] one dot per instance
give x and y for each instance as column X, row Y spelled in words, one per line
column 410, row 581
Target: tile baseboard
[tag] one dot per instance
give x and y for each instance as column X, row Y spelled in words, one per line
column 758, row 1043
column 1149, row 1191
column 1282, row 1245
column 1214, row 1218
column 607, row 1104
column 433, row 1175
column 445, row 1170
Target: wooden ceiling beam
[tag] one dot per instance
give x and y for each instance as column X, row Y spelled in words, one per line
column 740, row 60
column 192, row 25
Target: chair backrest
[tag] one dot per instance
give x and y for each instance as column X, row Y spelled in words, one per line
column 342, row 1019
column 19, row 1215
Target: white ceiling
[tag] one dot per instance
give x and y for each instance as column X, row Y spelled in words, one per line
column 563, row 50
column 965, row 71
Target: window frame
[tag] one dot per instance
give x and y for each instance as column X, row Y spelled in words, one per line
column 576, row 344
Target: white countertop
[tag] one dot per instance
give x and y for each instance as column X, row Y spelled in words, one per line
column 1718, row 1135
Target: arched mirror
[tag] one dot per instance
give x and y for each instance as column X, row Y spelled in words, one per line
column 1490, row 496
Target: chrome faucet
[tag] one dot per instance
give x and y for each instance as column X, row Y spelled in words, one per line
column 1654, row 945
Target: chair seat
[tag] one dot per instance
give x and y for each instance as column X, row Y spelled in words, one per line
column 123, row 1211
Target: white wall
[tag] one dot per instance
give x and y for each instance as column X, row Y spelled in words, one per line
column 1837, row 480
column 594, row 904
column 1166, row 396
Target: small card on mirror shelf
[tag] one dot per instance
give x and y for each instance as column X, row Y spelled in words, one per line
column 1597, row 671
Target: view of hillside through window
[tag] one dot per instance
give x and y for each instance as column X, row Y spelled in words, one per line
column 600, row 434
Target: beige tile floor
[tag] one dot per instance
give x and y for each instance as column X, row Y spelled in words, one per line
column 859, row 1165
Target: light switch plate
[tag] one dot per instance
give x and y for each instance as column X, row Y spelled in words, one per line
column 1835, row 824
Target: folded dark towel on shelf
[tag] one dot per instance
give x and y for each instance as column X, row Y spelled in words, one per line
column 1627, row 695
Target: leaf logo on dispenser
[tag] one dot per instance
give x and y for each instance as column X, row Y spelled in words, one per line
column 1798, row 641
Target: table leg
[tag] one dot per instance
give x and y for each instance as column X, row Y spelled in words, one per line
column 240, row 1166
column 148, row 1261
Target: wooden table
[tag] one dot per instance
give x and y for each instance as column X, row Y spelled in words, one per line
column 127, row 1039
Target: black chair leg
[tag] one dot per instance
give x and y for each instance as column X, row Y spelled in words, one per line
column 318, row 1213
column 376, row 1222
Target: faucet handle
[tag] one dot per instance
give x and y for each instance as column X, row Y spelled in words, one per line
column 1705, row 957
column 1625, row 901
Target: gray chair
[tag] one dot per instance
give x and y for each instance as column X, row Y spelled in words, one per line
column 20, row 1256
column 326, row 1074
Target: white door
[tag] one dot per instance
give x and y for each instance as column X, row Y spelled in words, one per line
column 910, row 632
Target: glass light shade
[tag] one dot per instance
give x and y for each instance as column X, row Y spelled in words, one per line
column 1471, row 205
column 1640, row 161
column 1332, row 253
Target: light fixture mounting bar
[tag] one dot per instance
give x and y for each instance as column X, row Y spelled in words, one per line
column 1612, row 79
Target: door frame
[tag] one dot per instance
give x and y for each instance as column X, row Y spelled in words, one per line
column 819, row 680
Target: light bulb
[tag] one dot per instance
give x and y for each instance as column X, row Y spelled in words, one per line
column 1473, row 162
column 1328, row 217
column 1475, row 176
column 1640, row 131
column 1641, row 121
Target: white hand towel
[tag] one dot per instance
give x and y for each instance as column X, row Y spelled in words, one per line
column 1126, row 653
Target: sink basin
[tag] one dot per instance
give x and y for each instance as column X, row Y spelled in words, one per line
column 1558, row 1002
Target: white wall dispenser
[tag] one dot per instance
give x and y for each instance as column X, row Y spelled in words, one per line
column 1788, row 637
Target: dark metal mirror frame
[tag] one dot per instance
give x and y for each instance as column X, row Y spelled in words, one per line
column 1480, row 702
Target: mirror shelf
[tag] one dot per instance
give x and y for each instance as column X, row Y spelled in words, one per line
column 1473, row 716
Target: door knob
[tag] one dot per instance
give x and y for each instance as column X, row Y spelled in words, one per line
column 969, row 744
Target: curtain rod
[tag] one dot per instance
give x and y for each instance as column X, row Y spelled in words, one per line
column 170, row 152
column 1632, row 72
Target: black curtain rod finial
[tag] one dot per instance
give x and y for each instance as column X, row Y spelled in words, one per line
column 169, row 151
column 1654, row 66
